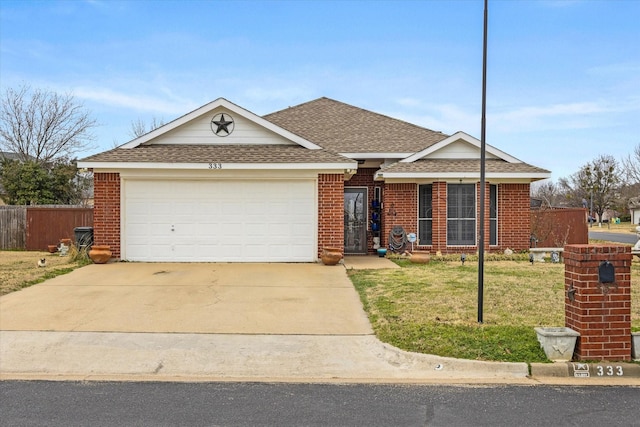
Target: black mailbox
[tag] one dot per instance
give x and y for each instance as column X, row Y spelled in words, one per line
column 606, row 272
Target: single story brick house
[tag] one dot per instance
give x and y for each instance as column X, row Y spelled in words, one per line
column 222, row 184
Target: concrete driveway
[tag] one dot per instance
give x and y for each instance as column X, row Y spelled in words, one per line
column 211, row 322
column 304, row 299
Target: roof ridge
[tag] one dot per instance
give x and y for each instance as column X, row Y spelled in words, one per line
column 354, row 107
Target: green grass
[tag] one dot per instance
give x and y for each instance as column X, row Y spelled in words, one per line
column 433, row 308
column 46, row 276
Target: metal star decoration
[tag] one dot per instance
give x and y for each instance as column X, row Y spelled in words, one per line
column 222, row 124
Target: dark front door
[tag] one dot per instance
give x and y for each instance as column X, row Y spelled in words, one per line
column 355, row 220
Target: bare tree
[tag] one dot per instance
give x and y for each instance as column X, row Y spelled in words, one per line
column 548, row 192
column 595, row 183
column 631, row 165
column 139, row 127
column 41, row 125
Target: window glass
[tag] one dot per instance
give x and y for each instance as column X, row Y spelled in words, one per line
column 425, row 214
column 461, row 214
column 493, row 214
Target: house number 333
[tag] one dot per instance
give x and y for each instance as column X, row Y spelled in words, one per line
column 215, row 165
column 609, row 371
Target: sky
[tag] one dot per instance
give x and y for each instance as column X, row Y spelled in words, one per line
column 563, row 77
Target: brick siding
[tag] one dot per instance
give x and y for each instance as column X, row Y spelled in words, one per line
column 330, row 211
column 400, row 207
column 514, row 217
column 514, row 222
column 106, row 211
column 601, row 314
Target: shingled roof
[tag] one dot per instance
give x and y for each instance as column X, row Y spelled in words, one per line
column 461, row 166
column 337, row 128
column 185, row 153
column 347, row 129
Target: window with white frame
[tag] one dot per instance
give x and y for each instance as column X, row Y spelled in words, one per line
column 461, row 214
column 425, row 214
column 493, row 214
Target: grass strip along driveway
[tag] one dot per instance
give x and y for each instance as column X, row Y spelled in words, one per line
column 432, row 308
column 19, row 269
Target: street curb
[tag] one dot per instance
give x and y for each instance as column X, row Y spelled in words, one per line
column 609, row 371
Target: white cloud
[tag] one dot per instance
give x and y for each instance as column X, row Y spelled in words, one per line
column 576, row 115
column 133, row 102
column 447, row 118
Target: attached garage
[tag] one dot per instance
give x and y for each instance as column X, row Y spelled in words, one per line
column 219, row 184
column 241, row 220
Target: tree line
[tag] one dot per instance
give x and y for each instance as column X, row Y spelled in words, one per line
column 600, row 185
column 40, row 133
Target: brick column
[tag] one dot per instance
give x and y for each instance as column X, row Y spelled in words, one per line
column 330, row 211
column 600, row 313
column 106, row 211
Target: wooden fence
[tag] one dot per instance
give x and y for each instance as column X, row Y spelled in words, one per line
column 555, row 228
column 13, row 220
column 41, row 225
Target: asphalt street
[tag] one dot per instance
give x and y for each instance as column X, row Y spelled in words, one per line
column 613, row 237
column 38, row 403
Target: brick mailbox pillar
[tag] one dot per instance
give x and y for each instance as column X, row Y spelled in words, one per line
column 600, row 312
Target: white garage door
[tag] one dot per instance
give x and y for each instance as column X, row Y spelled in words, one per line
column 222, row 221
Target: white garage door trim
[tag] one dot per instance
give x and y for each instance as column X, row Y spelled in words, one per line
column 240, row 220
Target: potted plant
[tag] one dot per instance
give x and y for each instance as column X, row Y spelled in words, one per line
column 420, row 257
column 100, row 254
column 558, row 343
column 331, row 256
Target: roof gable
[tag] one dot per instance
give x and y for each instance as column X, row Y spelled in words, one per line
column 220, row 122
column 459, row 146
column 458, row 157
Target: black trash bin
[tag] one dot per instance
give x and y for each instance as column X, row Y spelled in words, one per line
column 84, row 237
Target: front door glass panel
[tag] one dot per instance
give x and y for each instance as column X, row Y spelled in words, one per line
column 355, row 220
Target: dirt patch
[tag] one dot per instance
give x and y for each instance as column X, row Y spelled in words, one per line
column 20, row 267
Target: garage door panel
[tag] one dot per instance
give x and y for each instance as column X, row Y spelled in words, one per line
column 220, row 220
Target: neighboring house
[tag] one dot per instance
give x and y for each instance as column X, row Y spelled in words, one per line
column 223, row 184
column 634, row 210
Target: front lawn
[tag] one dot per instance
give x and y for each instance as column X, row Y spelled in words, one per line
column 19, row 269
column 432, row 308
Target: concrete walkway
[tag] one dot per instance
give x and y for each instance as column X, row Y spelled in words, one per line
column 213, row 322
column 367, row 263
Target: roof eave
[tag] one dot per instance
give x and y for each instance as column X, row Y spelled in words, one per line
column 368, row 155
column 218, row 165
column 461, row 175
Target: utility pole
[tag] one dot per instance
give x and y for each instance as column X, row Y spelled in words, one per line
column 482, row 166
